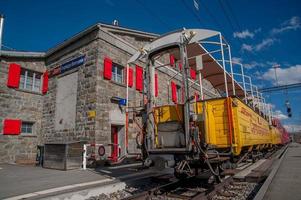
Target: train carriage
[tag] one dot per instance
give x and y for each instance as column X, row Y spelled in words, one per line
column 208, row 132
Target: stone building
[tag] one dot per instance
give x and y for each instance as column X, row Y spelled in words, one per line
column 74, row 92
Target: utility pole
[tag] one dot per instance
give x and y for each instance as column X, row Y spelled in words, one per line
column 1, row 30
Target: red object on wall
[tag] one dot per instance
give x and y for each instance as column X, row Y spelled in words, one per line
column 197, row 96
column 107, row 68
column 45, row 83
column 130, row 83
column 173, row 92
column 171, row 60
column 12, row 127
column 139, row 78
column 114, row 132
column 156, row 85
column 192, row 74
column 14, row 72
column 180, row 66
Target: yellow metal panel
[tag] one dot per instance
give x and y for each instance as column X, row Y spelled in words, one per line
column 169, row 113
column 249, row 128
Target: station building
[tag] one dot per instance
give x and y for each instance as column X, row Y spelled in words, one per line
column 75, row 92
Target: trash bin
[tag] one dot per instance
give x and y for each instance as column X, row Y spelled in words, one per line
column 40, row 155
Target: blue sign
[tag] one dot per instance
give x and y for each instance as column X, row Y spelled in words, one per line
column 72, row 64
column 122, row 102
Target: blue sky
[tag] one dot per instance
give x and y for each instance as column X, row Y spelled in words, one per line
column 261, row 33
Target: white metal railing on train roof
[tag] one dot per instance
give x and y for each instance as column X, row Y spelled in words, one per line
column 256, row 99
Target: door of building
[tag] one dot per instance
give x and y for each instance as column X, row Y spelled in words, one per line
column 114, row 134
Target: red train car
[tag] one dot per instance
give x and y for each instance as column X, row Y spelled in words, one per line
column 284, row 134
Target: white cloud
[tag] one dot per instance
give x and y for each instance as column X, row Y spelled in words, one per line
column 244, row 34
column 264, row 43
column 293, row 23
column 288, row 75
column 257, row 30
column 279, row 115
column 236, row 60
column 246, row 47
column 292, row 127
column 272, row 63
column 258, row 47
column 254, row 64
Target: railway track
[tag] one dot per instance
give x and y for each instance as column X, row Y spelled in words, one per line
column 197, row 189
column 194, row 188
column 189, row 188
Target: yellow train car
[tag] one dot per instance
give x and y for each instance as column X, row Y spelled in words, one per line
column 229, row 122
column 275, row 136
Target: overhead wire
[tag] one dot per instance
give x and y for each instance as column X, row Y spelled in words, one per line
column 151, row 13
column 236, row 22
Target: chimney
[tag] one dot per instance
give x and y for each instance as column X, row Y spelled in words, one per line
column 1, row 30
column 115, row 22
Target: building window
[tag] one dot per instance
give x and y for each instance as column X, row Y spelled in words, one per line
column 27, row 127
column 30, row 80
column 117, row 73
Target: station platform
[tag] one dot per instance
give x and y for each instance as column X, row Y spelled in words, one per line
column 284, row 181
column 30, row 182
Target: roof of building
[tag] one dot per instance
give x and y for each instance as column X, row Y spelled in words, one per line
column 13, row 53
column 107, row 27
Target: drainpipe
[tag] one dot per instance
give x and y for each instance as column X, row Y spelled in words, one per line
column 1, row 30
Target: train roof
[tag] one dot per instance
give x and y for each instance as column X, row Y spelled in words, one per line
column 212, row 69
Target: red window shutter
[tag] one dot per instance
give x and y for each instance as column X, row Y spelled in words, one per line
column 180, row 66
column 139, row 78
column 173, row 92
column 192, row 74
column 171, row 60
column 156, row 85
column 107, row 68
column 130, row 83
column 14, row 72
column 12, row 127
column 45, row 83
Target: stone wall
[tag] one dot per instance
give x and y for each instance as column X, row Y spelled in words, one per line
column 23, row 105
column 137, row 41
column 86, row 92
column 93, row 94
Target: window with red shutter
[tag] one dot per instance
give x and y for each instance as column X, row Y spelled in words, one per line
column 139, row 78
column 171, row 60
column 173, row 92
column 14, row 72
column 192, row 74
column 12, row 127
column 156, row 85
column 45, row 83
column 107, row 68
column 130, row 83
column 31, row 80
